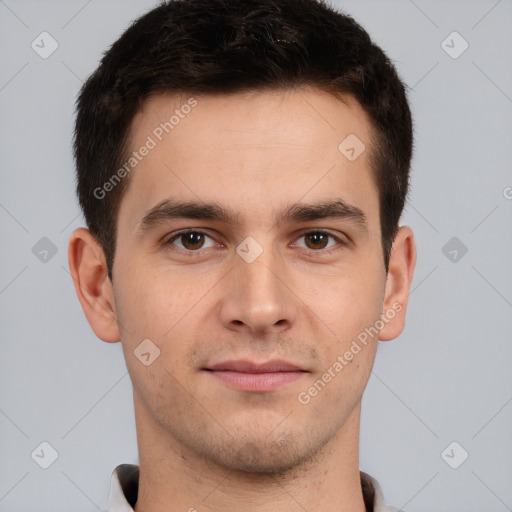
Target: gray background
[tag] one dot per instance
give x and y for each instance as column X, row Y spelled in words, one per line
column 447, row 378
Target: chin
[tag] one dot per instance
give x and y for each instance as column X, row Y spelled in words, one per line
column 253, row 459
column 265, row 456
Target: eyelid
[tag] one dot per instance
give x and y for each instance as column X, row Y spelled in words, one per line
column 342, row 240
column 168, row 240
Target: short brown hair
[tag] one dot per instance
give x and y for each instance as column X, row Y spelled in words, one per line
column 229, row 46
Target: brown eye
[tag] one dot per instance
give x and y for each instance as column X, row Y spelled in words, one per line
column 316, row 240
column 322, row 242
column 190, row 241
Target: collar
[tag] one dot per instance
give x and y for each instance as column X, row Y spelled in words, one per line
column 124, row 488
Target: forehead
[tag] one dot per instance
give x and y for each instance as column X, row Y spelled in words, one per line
column 245, row 148
column 274, row 115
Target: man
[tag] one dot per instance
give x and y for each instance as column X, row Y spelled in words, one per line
column 242, row 168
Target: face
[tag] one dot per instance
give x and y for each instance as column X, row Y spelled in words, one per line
column 249, row 242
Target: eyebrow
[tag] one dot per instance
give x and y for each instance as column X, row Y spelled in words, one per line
column 175, row 209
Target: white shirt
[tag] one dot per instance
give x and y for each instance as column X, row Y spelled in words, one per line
column 124, row 487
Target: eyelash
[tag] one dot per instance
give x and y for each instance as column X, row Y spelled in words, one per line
column 168, row 242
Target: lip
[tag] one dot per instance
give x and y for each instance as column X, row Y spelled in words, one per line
column 256, row 377
column 244, row 366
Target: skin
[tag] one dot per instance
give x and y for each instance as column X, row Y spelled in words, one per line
column 203, row 444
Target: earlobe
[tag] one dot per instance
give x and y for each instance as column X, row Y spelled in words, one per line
column 398, row 284
column 92, row 285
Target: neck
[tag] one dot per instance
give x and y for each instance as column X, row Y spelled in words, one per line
column 174, row 478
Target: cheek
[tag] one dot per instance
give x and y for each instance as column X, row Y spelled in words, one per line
column 150, row 302
column 157, row 306
column 353, row 308
column 351, row 303
column 154, row 321
column 348, row 357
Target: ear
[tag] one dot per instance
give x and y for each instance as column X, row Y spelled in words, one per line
column 88, row 268
column 398, row 284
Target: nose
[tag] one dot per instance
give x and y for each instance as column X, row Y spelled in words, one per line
column 257, row 299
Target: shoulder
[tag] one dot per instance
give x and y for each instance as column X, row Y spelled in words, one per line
column 373, row 495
